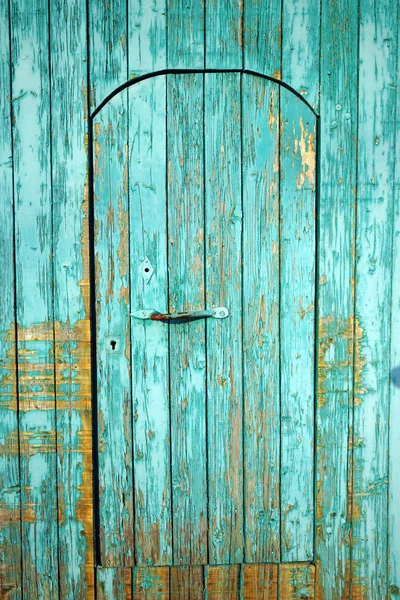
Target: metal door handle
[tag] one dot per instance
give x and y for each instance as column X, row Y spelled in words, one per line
column 174, row 318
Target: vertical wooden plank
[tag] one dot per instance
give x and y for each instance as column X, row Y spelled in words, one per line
column 222, row 582
column 114, row 584
column 113, row 332
column 185, row 192
column 187, row 583
column 34, row 300
column 394, row 414
column 335, row 307
column 147, row 31
column 260, row 582
column 148, row 239
column 108, row 47
column 301, row 47
column 224, row 22
column 376, row 139
column 10, row 496
column 297, row 581
column 224, row 337
column 185, row 22
column 297, row 326
column 262, row 31
column 71, row 300
column 260, row 112
column 152, row 583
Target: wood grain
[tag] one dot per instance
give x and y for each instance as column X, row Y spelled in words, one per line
column 376, row 139
column 108, row 47
column 224, row 24
column 262, row 32
column 114, row 583
column 187, row 583
column 335, row 292
column 222, row 582
column 223, row 234
column 10, row 493
column 260, row 147
column 147, row 37
column 297, row 326
column 186, row 35
column 296, row 581
column 186, row 252
column 34, row 297
column 150, row 371
column 394, row 414
column 301, row 30
column 114, row 404
column 71, row 298
column 260, row 582
column 152, row 583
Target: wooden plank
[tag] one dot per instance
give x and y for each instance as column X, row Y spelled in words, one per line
column 297, row 326
column 10, row 493
column 185, row 193
column 224, row 34
column 114, row 583
column 260, row 582
column 394, row 415
column 335, row 291
column 222, row 582
column 260, row 109
column 34, row 298
column 185, row 26
column 147, row 31
column 71, row 298
column 187, row 583
column 262, row 30
column 152, row 583
column 297, row 581
column 113, row 333
column 376, row 139
column 148, row 238
column 108, row 47
column 301, row 27
column 224, row 337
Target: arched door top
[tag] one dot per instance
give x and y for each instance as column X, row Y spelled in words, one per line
column 145, row 76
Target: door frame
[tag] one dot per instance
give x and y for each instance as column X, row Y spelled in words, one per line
column 93, row 359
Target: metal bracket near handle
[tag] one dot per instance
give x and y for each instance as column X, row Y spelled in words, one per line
column 174, row 318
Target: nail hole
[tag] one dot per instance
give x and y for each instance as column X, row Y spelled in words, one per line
column 147, row 269
column 113, row 343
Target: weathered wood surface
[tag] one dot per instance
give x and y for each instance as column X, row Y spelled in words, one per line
column 70, row 179
column 114, row 583
column 10, row 492
column 394, row 409
column 111, row 243
column 125, row 38
column 261, row 132
column 297, row 326
column 150, row 361
column 34, row 297
column 223, row 238
column 336, row 249
column 187, row 350
column 373, row 288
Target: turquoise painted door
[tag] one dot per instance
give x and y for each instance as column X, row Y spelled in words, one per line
column 204, row 195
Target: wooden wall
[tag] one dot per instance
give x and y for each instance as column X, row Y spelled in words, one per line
column 58, row 61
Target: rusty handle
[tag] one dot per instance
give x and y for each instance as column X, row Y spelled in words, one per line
column 220, row 312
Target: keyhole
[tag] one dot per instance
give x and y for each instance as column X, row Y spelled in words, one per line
column 113, row 343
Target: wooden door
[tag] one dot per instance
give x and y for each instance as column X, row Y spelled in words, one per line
column 204, row 195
